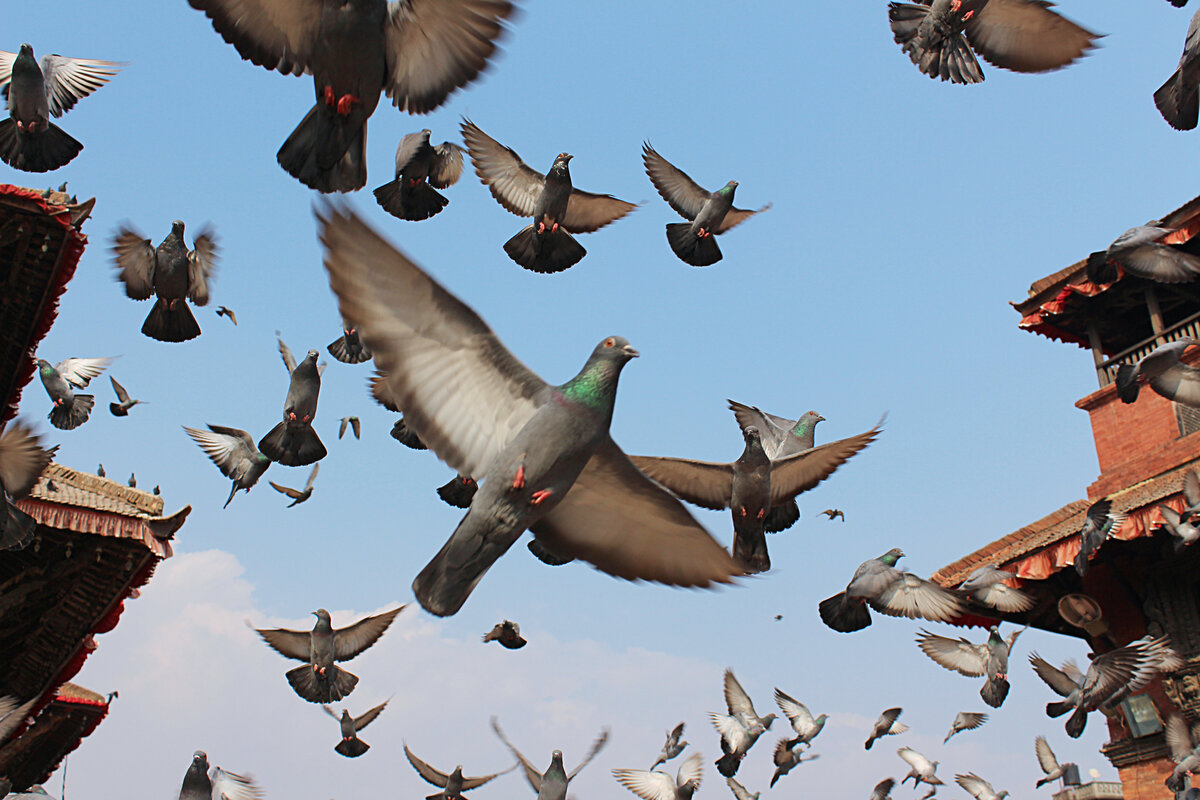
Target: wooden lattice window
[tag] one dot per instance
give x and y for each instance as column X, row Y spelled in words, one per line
column 1188, row 418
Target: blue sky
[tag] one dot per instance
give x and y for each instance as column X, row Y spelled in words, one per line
column 907, row 214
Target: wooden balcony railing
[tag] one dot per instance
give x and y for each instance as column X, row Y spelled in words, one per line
column 1189, row 328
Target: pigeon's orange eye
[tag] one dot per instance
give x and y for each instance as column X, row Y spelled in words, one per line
column 609, row 342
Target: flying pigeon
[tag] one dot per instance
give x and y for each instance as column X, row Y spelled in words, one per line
column 121, row 409
column 201, row 783
column 672, row 747
column 978, row 788
column 293, row 442
column 1191, row 494
column 753, row 486
column 803, row 722
column 921, row 770
column 351, row 746
column 14, row 714
column 1184, row 744
column 355, row 426
column 886, row 725
column 452, row 785
column 878, row 584
column 739, row 791
column 70, row 409
column 459, row 491
column 1182, row 526
column 542, row 454
column 1142, row 252
column 234, row 453
column 319, row 679
column 347, row 348
column 650, row 785
column 1178, row 99
column 222, row 311
column 987, row 585
column 558, row 209
column 707, row 212
column 1099, row 525
column 785, row 758
column 421, row 169
column 965, row 721
column 883, row 789
column 416, row 51
column 1048, row 762
column 551, row 784
column 740, row 728
column 781, row 437
column 1165, row 373
column 1020, row 35
column 22, row 461
column 835, row 513
column 298, row 496
column 507, row 633
column 974, row 660
column 170, row 271
column 29, row 141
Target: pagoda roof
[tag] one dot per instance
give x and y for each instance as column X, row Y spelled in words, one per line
column 71, row 714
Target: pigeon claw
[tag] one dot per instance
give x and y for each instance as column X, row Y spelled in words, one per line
column 539, row 496
column 955, row 5
column 541, row 227
column 345, row 103
column 968, row 15
column 291, row 415
column 329, row 98
column 762, row 512
column 554, row 228
column 519, row 478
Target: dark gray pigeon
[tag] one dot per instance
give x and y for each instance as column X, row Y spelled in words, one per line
column 29, row 141
column 22, row 461
column 1049, row 764
column 673, row 746
column 100, row 471
column 558, row 209
column 987, row 585
column 417, row 51
column 883, row 789
column 965, row 721
column 507, row 633
column 1178, row 99
column 551, row 784
column 132, row 482
column 293, row 442
column 1144, row 253
column 1166, row 374
column 61, row 380
column 786, row 758
column 974, row 660
column 170, row 271
column 201, row 783
column 121, row 409
column 354, row 424
column 888, row 724
column 708, row 212
column 234, row 453
column 1020, row 35
column 459, row 491
column 222, row 311
column 740, row 728
column 319, row 679
column 878, row 584
column 651, row 785
column 351, row 746
column 421, row 169
column 452, row 785
column 542, row 454
column 347, row 348
column 1183, row 742
column 298, row 495
column 1099, row 524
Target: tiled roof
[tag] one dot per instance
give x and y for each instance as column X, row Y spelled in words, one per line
column 58, row 728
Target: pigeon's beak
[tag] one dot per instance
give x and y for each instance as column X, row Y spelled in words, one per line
column 629, row 351
column 315, row 614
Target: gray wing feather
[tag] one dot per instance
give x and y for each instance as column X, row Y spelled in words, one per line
column 276, row 34
column 202, row 264
column 705, row 483
column 135, row 259
column 349, row 642
column 447, row 165
column 802, row 471
column 513, row 183
column 681, row 192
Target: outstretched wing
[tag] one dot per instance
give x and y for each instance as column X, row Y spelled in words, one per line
column 69, row 80
column 513, row 183
column 681, row 192
column 349, row 642
column 276, row 34
column 202, row 264
column 80, row 371
column 959, row 655
column 705, row 483
column 597, row 746
column 135, row 259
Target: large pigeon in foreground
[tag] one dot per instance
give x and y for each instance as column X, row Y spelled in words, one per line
column 878, row 584
column 1144, row 252
column 542, row 454
column 170, row 271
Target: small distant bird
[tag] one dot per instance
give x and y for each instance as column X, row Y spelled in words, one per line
column 650, row 785
column 100, row 471
column 672, row 747
column 507, row 633
column 347, row 348
column 156, row 490
column 707, row 212
column 354, row 424
column 459, row 491
column 781, row 437
column 778, row 617
column 978, row 788
column 833, row 513
column 51, row 486
column 351, row 746
column 552, row 784
column 172, row 272
column 1184, row 744
column 1178, row 99
column 420, row 169
column 1048, row 762
column 883, row 789
column 987, row 585
column 70, row 409
column 886, row 725
column 298, row 496
column 132, row 481
column 29, row 141
column 805, row 725
column 786, row 757
column 234, row 453
column 558, row 209
column 22, row 461
column 1165, row 373
column 121, row 409
column 223, row 311
column 201, row 783
column 452, row 785
column 922, row 769
column 319, row 679
column 740, row 728
column 973, row 660
column 1142, row 252
column 965, row 721
column 1099, row 524
column 293, row 442
column 878, row 584
column 739, row 791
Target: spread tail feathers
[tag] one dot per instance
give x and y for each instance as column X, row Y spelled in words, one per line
column 16, row 527
column 325, row 152
column 750, row 548
column 171, row 324
column 293, row 446
column 948, row 57
column 547, row 556
column 415, row 202
column 1177, row 103
column 347, row 355
column 458, row 492
column 1127, row 383
column 1059, row 708
column 690, row 248
column 1076, row 722
column 552, row 251
column 728, row 765
column 70, row 417
column 994, row 691
column 36, row 152
column 352, row 748
column 782, row 517
column 843, row 615
column 328, row 688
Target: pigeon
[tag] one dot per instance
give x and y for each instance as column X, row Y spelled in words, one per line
column 201, row 783
column 222, row 311
column 132, row 482
column 921, row 770
column 973, row 660
column 1182, row 527
column 1142, row 252
column 121, row 409
column 753, row 486
column 1098, row 526
column 234, row 453
column 35, row 90
column 100, row 471
column 558, row 209
column 542, row 454
column 878, row 584
column 22, row 461
column 319, row 679
column 1019, row 35
column 883, row 789
column 886, row 725
column 781, row 437
column 1165, row 373
column 1048, row 762
column 416, row 51
column 965, row 721
column 786, row 758
column 1184, row 744
column 1191, row 495
column 978, row 788
column 170, row 271
column 740, row 728
column 803, row 722
column 293, row 442
column 157, row 490
column 452, row 785
column 459, row 491
column 987, row 585
column 673, row 746
column 835, row 513
column 354, row 424
column 297, row 495
column 351, row 746
column 650, row 785
column 707, row 212
column 1178, row 99
column 739, row 791
column 551, row 784
column 347, row 348
column 406, row 436
column 421, row 169
column 70, row 409
column 14, row 714
column 507, row 633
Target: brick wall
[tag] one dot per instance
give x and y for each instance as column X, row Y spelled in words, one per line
column 1144, row 780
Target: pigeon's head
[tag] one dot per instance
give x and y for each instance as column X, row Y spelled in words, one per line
column 728, row 189
column 457, row 774
column 27, row 50
column 751, row 434
column 426, row 133
column 44, row 366
column 177, row 227
column 892, row 556
column 561, row 162
column 812, row 417
column 615, row 348
column 200, row 759
column 322, row 615
column 312, row 356
column 767, row 720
